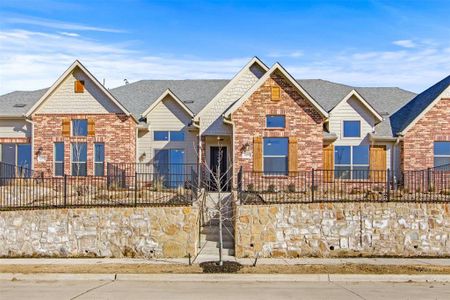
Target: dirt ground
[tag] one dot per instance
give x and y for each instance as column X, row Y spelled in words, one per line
column 259, row 269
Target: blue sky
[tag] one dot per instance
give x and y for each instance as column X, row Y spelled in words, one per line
column 363, row 43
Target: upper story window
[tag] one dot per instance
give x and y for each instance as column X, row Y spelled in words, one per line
column 79, row 86
column 79, row 127
column 275, row 155
column 442, row 154
column 275, row 121
column 351, row 162
column 174, row 136
column 352, row 129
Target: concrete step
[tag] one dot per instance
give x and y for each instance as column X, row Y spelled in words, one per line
column 204, row 239
column 212, row 230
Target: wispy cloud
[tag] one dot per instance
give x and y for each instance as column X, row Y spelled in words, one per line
column 280, row 54
column 58, row 24
column 405, row 43
column 34, row 59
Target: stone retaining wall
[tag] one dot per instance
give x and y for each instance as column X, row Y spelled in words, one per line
column 343, row 229
column 109, row 232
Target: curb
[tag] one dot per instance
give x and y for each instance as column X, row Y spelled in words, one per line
column 227, row 277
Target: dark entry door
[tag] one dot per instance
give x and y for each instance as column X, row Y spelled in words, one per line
column 218, row 165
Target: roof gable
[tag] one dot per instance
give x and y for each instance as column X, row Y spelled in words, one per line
column 260, row 82
column 409, row 114
column 163, row 96
column 75, row 67
column 354, row 93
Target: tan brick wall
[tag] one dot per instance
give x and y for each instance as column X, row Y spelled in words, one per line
column 116, row 131
column 302, row 121
column 418, row 142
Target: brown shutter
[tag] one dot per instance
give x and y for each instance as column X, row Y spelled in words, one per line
column 292, row 155
column 66, row 127
column 276, row 93
column 91, row 127
column 377, row 163
column 79, row 86
column 257, row 154
column 328, row 162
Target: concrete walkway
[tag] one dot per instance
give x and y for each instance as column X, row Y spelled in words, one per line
column 244, row 261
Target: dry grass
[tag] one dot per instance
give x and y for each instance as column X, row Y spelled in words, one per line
column 259, row 269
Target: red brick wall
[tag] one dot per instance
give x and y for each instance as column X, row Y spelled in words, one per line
column 116, row 131
column 418, row 141
column 302, row 121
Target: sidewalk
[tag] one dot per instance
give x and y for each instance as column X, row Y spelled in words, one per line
column 243, row 261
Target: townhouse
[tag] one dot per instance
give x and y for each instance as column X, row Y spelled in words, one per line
column 262, row 120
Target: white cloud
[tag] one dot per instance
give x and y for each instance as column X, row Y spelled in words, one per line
column 57, row 24
column 291, row 54
column 73, row 34
column 405, row 43
column 32, row 59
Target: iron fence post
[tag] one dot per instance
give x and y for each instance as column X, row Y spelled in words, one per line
column 65, row 190
column 135, row 188
column 429, row 179
column 312, row 185
column 388, row 189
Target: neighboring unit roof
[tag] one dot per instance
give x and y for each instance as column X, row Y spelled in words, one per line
column 411, row 111
column 138, row 96
column 19, row 102
column 327, row 93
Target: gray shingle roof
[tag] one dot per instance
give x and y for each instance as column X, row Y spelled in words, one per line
column 404, row 116
column 19, row 102
column 138, row 96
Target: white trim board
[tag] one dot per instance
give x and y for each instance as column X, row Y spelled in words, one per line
column 167, row 92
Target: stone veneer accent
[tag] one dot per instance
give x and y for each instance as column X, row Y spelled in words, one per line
column 302, row 121
column 343, row 229
column 116, row 131
column 418, row 142
column 109, row 232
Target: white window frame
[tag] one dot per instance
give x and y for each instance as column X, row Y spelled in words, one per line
column 439, row 155
column 72, row 161
column 72, row 127
column 351, row 165
column 55, row 161
column 99, row 162
column 286, row 156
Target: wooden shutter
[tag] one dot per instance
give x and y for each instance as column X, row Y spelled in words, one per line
column 66, row 127
column 91, row 127
column 79, row 86
column 257, row 154
column 292, row 155
column 328, row 162
column 276, row 93
column 377, row 163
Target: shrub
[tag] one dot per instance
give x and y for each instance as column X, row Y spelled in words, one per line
column 291, row 188
column 271, row 188
column 250, row 187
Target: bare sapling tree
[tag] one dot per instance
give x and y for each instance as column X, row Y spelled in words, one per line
column 217, row 180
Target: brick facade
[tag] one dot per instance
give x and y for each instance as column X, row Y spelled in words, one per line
column 116, row 131
column 417, row 147
column 302, row 121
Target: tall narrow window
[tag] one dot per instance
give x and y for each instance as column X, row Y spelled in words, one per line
column 79, row 159
column 275, row 156
column 442, row 155
column 352, row 129
column 59, row 159
column 79, row 127
column 99, row 159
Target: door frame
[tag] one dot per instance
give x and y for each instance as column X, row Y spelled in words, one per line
column 227, row 161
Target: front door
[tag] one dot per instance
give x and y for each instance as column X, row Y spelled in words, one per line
column 219, row 168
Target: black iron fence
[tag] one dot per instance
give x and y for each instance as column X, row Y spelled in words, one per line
column 115, row 189
column 13, row 171
column 431, row 185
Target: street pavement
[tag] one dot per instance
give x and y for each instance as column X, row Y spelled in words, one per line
column 172, row 290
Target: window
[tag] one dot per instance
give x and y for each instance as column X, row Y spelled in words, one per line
column 99, row 159
column 59, row 159
column 18, row 155
column 79, row 127
column 351, row 162
column 275, row 156
column 276, row 93
column 352, row 128
column 79, row 159
column 442, row 154
column 169, row 166
column 175, row 136
column 275, row 121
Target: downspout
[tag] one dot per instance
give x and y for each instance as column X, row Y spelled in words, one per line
column 233, row 128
